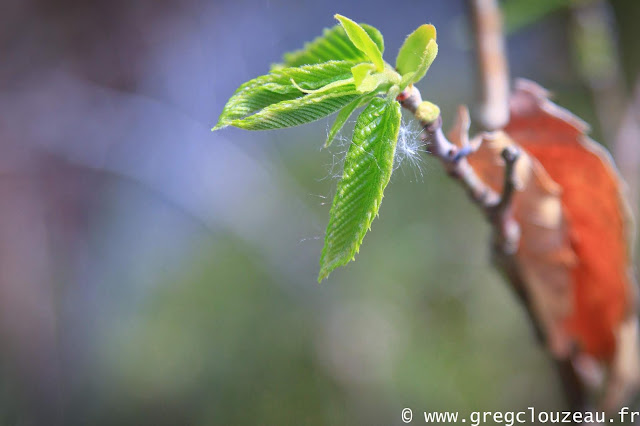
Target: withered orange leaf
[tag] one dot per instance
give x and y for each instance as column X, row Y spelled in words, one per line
column 574, row 252
column 603, row 321
column 598, row 217
column 544, row 255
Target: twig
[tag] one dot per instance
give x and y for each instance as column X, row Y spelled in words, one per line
column 507, row 230
column 493, row 69
column 494, row 82
column 510, row 156
column 454, row 160
column 494, row 85
column 497, row 209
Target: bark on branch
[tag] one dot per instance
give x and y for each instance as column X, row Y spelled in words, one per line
column 493, row 68
column 454, row 160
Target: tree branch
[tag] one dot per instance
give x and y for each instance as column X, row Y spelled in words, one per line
column 493, row 73
column 497, row 209
column 493, row 69
column 494, row 83
column 453, row 158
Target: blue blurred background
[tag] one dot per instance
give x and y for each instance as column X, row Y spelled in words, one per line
column 154, row 272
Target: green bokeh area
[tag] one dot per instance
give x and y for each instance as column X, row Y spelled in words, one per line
column 432, row 327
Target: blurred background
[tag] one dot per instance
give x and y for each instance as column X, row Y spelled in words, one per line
column 153, row 272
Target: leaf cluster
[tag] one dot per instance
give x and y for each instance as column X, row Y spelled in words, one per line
column 340, row 71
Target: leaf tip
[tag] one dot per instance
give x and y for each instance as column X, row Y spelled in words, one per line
column 430, row 30
column 325, row 270
column 362, row 40
column 417, row 53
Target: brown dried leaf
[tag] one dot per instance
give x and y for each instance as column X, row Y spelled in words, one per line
column 544, row 255
column 574, row 252
column 603, row 320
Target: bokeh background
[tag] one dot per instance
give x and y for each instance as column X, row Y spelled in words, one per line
column 153, row 272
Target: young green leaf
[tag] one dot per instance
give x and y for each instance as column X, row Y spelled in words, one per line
column 276, row 87
column 412, row 50
column 294, row 112
column 367, row 170
column 362, row 41
column 328, row 88
column 343, row 116
column 430, row 54
column 333, row 44
column 375, row 35
column 417, row 53
column 372, row 82
column 367, row 81
column 361, row 71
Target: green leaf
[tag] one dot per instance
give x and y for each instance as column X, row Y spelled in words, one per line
column 367, row 170
column 362, row 41
column 361, row 71
column 294, row 112
column 372, row 82
column 344, row 115
column 375, row 35
column 328, row 88
column 277, row 87
column 416, row 54
column 333, row 44
column 367, row 82
column 410, row 56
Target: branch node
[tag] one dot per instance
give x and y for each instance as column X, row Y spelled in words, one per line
column 507, row 231
column 510, row 155
column 463, row 153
